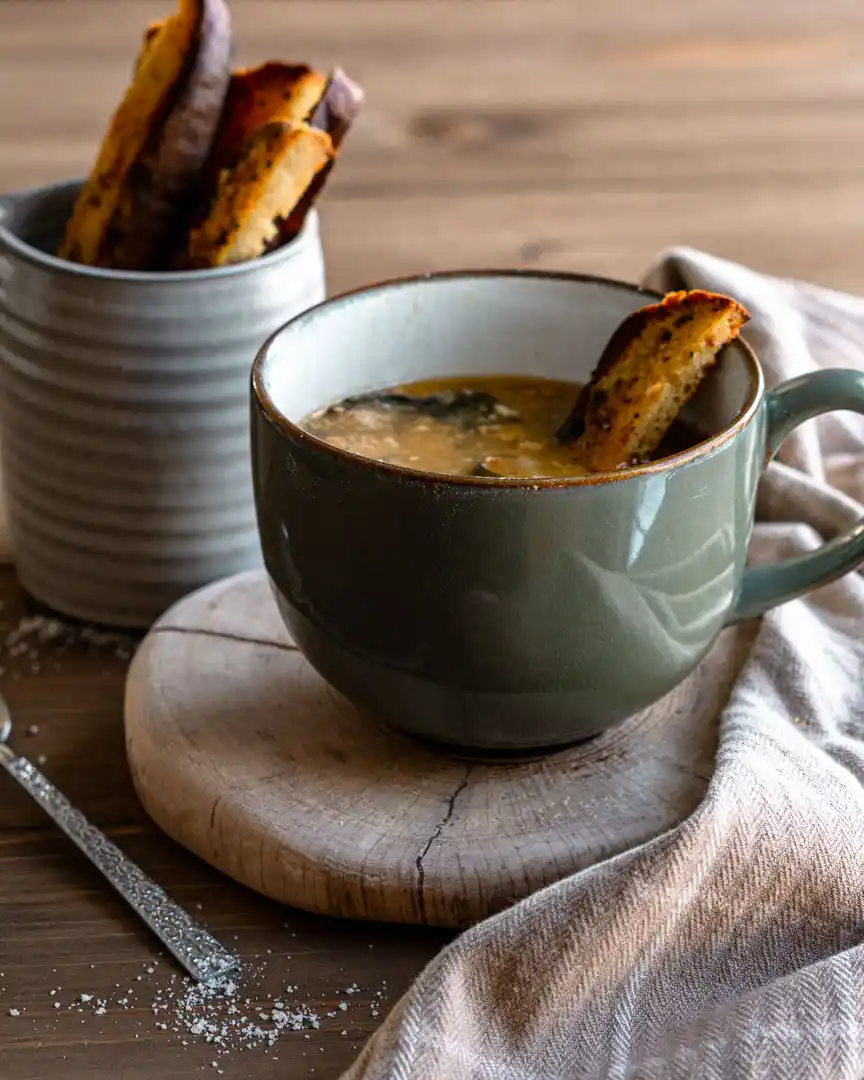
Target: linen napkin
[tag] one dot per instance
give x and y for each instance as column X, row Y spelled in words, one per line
column 729, row 947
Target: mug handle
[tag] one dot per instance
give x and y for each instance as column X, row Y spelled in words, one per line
column 787, row 406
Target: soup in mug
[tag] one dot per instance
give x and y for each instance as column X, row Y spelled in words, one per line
column 487, row 426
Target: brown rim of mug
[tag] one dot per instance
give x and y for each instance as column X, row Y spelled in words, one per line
column 700, row 450
column 28, row 252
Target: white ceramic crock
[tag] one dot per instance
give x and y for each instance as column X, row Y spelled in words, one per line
column 124, row 414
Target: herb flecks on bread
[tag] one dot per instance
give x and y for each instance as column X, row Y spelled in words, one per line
column 276, row 167
column 132, row 205
column 650, row 368
column 264, row 158
column 202, row 166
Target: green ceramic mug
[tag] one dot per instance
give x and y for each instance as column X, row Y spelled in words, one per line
column 513, row 614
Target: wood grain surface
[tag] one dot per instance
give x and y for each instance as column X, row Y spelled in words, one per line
column 241, row 752
column 514, row 132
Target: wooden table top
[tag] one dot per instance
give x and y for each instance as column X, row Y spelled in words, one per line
column 511, row 133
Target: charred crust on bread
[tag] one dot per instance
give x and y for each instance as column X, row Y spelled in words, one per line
column 650, row 367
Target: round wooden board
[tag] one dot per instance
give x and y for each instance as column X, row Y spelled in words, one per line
column 242, row 753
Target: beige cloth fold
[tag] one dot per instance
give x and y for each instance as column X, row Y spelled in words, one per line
column 728, row 947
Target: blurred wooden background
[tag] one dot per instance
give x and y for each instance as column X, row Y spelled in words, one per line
column 552, row 133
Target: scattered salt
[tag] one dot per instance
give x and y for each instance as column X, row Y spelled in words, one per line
column 237, row 1015
column 33, row 631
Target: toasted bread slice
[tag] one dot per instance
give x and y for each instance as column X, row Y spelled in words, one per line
column 335, row 112
column 338, row 106
column 276, row 166
column 650, row 368
column 272, row 91
column 151, row 157
column 148, row 41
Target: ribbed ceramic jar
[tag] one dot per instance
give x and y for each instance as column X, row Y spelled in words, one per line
column 124, row 414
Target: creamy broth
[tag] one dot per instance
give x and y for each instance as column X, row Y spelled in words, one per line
column 492, row 426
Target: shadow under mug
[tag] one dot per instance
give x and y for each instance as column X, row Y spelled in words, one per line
column 499, row 614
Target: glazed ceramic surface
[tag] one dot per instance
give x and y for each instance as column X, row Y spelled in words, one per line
column 500, row 614
column 124, row 415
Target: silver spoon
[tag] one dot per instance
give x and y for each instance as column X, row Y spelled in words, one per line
column 198, row 952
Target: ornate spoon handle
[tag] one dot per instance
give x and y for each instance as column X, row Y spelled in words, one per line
column 199, row 953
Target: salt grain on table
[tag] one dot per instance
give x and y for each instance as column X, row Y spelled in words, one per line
column 35, row 630
column 217, row 1015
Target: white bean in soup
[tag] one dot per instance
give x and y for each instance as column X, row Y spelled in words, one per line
column 491, row 426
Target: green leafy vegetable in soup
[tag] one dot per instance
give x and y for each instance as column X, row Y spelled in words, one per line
column 492, row 426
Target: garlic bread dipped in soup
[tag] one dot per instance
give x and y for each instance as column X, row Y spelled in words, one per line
column 502, row 426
